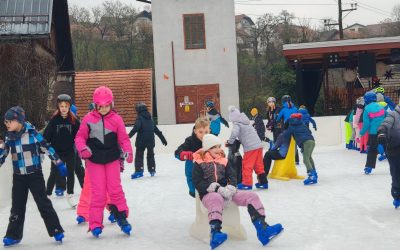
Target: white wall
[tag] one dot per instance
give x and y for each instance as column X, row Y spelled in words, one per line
column 215, row 64
column 330, row 133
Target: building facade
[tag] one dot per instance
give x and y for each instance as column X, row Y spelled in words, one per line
column 195, row 57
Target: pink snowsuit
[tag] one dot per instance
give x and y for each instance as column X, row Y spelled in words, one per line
column 103, row 136
column 356, row 121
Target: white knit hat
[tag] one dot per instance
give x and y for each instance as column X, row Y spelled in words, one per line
column 209, row 141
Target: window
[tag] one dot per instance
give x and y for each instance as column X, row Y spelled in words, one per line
column 194, row 29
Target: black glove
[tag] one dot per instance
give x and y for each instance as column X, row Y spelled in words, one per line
column 164, row 142
column 382, row 139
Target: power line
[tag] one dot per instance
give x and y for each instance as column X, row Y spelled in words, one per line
column 370, row 6
column 284, row 4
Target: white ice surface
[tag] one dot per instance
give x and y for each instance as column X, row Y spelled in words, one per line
column 345, row 210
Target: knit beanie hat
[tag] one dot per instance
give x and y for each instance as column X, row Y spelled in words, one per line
column 15, row 113
column 233, row 112
column 209, row 141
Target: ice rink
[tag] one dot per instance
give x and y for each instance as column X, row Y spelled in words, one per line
column 345, row 210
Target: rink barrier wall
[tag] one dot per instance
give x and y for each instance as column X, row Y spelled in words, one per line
column 330, row 133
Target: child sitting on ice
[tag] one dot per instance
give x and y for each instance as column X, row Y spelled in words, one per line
column 215, row 181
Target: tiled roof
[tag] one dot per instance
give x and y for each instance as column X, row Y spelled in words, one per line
column 129, row 87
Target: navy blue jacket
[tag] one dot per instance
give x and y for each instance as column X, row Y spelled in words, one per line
column 259, row 126
column 282, row 143
column 145, row 129
column 299, row 131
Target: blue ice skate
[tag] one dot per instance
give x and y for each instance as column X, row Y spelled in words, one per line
column 216, row 236
column 80, row 219
column 396, row 203
column 111, row 218
column 262, row 186
column 97, row 231
column 266, row 233
column 136, row 175
column 312, row 178
column 59, row 192
column 367, row 170
column 381, row 151
column 241, row 186
column 10, row 241
column 59, row 237
column 152, row 173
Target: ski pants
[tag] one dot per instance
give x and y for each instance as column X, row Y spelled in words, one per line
column 104, row 178
column 372, row 151
column 189, row 178
column 308, row 148
column 394, row 162
column 363, row 139
column 214, row 202
column 22, row 184
column 139, row 155
column 268, row 157
column 252, row 160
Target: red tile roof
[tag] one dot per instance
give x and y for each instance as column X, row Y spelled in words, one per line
column 129, row 87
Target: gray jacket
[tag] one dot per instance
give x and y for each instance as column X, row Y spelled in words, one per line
column 244, row 132
column 390, row 127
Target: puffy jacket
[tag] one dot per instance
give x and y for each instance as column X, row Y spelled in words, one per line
column 60, row 133
column 207, row 170
column 390, row 127
column 244, row 132
column 306, row 118
column 390, row 103
column 105, row 136
column 259, row 126
column 216, row 120
column 145, row 129
column 357, row 116
column 373, row 116
column 286, row 111
column 299, row 131
column 282, row 143
column 272, row 115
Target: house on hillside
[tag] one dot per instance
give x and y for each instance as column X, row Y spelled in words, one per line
column 244, row 25
column 195, row 58
column 129, row 88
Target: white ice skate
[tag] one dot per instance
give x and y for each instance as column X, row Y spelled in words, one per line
column 71, row 201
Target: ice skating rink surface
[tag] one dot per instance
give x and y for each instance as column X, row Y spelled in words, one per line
column 345, row 210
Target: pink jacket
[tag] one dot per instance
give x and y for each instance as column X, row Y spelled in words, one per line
column 356, row 118
column 104, row 136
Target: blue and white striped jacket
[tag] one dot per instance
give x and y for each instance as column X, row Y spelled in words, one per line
column 25, row 148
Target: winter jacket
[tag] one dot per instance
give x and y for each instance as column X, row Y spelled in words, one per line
column 357, row 116
column 306, row 118
column 299, row 131
column 390, row 127
column 271, row 119
column 286, row 112
column 216, row 120
column 373, row 116
column 25, row 147
column 207, row 170
column 244, row 132
column 192, row 144
column 105, row 136
column 145, row 129
column 282, row 143
column 60, row 133
column 259, row 126
column 390, row 103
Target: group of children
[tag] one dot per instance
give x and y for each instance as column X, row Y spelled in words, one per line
column 373, row 127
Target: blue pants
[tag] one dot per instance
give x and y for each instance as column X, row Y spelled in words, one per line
column 188, row 173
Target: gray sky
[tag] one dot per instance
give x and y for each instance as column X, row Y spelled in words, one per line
column 368, row 12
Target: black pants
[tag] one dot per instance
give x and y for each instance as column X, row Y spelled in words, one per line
column 372, row 151
column 79, row 170
column 139, row 158
column 268, row 157
column 21, row 185
column 276, row 132
column 394, row 162
column 70, row 160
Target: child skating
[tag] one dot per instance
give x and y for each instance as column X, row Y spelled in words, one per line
column 28, row 175
column 99, row 140
column 215, row 118
column 192, row 143
column 145, row 129
column 215, row 181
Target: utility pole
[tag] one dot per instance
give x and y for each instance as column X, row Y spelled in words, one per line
column 340, row 18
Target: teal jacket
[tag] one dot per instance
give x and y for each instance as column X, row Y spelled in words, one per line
column 373, row 116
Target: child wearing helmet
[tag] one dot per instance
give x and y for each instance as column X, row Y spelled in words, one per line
column 99, row 141
column 60, row 132
column 387, row 100
column 215, row 118
column 373, row 116
column 145, row 129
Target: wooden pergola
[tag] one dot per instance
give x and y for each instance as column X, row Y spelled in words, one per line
column 321, row 56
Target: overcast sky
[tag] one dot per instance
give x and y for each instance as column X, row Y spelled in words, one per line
column 368, row 11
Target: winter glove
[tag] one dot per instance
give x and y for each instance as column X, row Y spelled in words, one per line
column 62, row 169
column 121, row 165
column 186, row 155
column 128, row 157
column 315, row 128
column 232, row 190
column 86, row 153
column 213, row 187
column 164, row 142
column 227, row 192
column 382, row 139
column 266, row 139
